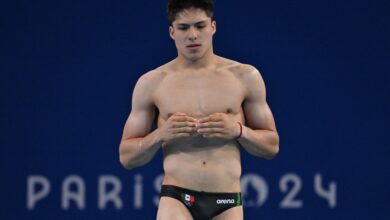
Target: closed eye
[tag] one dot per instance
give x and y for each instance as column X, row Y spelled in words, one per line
column 200, row 26
column 183, row 27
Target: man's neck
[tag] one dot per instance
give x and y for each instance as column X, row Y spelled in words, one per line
column 204, row 62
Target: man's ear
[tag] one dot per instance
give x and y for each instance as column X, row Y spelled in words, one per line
column 171, row 32
column 214, row 26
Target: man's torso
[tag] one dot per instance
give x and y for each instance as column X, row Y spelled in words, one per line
column 198, row 163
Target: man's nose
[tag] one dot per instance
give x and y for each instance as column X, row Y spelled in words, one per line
column 193, row 34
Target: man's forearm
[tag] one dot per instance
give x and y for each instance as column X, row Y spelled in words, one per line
column 135, row 152
column 260, row 143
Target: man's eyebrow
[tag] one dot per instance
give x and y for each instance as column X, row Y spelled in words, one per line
column 196, row 23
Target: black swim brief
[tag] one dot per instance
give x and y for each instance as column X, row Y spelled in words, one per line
column 202, row 205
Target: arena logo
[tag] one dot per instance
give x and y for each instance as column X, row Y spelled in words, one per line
column 73, row 190
column 225, row 201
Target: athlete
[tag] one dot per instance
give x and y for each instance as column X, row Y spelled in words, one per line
column 207, row 107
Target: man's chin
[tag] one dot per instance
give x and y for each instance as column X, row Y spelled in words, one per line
column 193, row 57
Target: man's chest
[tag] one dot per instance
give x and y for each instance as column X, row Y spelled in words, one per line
column 199, row 95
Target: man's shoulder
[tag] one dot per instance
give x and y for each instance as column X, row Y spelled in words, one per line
column 238, row 68
column 154, row 75
column 148, row 83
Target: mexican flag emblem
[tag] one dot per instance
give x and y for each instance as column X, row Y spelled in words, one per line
column 188, row 199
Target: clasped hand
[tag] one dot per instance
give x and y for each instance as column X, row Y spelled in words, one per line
column 217, row 125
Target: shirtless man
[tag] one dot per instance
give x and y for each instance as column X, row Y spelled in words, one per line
column 207, row 107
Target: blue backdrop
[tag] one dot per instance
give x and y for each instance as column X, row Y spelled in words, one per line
column 67, row 73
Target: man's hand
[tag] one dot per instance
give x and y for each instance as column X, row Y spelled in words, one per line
column 177, row 126
column 218, row 125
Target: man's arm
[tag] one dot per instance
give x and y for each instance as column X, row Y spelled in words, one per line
column 138, row 146
column 259, row 137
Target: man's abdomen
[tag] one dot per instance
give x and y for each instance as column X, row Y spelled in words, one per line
column 209, row 169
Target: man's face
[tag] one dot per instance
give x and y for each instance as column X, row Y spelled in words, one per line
column 193, row 33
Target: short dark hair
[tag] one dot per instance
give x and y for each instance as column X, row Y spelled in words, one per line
column 176, row 6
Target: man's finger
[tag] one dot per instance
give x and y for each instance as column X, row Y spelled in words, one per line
column 183, row 130
column 203, row 120
column 181, row 135
column 214, row 135
column 183, row 124
column 209, row 130
column 176, row 114
column 184, row 118
column 210, row 124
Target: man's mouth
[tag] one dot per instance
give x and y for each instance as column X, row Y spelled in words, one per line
column 194, row 46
